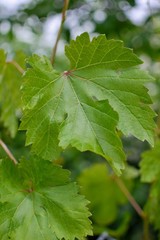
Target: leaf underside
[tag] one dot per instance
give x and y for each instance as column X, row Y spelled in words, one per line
column 38, row 201
column 84, row 106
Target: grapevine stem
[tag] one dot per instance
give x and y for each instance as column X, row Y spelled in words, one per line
column 130, row 198
column 18, row 67
column 65, row 7
column 146, row 233
column 157, row 130
column 5, row 148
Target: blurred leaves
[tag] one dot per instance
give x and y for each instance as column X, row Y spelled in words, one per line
column 10, row 97
column 152, row 205
column 150, row 172
column 99, row 186
column 150, row 164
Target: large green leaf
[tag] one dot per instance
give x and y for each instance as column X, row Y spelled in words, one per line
column 75, row 107
column 38, row 201
column 10, row 97
column 100, row 65
column 88, row 125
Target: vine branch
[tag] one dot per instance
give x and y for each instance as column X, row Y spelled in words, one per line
column 130, row 198
column 65, row 7
column 15, row 64
column 157, row 130
column 8, row 152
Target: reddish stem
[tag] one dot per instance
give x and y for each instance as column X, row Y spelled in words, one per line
column 10, row 155
column 66, row 3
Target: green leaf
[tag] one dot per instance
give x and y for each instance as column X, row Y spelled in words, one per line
column 83, row 106
column 150, row 172
column 38, row 201
column 10, row 97
column 150, row 164
column 152, row 206
column 100, row 188
column 120, row 230
column 49, row 96
column 100, row 65
column 100, row 52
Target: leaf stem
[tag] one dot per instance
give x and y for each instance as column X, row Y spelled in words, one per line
column 130, row 198
column 18, row 67
column 65, row 7
column 157, row 130
column 10, row 155
column 146, row 233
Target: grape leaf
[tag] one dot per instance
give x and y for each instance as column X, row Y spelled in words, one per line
column 150, row 164
column 49, row 96
column 95, row 63
column 10, row 97
column 75, row 107
column 38, row 201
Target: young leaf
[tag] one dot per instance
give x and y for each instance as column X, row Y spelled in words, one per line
column 10, row 97
column 75, row 107
column 150, row 164
column 38, row 201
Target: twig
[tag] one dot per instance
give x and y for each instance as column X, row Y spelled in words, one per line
column 157, row 130
column 150, row 9
column 10, row 155
column 130, row 198
column 18, row 67
column 65, row 7
column 146, row 233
